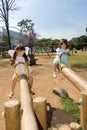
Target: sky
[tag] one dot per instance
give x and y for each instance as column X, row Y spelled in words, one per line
column 54, row 19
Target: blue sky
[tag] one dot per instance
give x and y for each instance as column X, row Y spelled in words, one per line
column 53, row 18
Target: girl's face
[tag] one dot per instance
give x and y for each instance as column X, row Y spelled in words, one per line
column 20, row 52
column 63, row 46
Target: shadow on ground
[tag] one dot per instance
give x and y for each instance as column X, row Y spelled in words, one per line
column 57, row 116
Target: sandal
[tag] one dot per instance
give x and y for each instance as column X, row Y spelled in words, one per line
column 11, row 95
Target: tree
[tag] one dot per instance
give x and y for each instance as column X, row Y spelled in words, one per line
column 79, row 42
column 86, row 30
column 25, row 26
column 27, row 31
column 5, row 7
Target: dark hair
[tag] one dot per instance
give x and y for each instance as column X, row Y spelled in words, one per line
column 19, row 48
column 63, row 41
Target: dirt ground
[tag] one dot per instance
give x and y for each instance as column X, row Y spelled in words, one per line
column 43, row 86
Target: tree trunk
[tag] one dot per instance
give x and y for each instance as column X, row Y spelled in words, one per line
column 8, row 33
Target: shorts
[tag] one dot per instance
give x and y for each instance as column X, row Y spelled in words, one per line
column 56, row 60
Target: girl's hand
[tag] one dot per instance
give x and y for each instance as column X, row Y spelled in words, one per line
column 21, row 62
column 18, row 63
column 64, row 53
column 26, row 63
column 67, row 53
column 61, row 54
column 15, row 64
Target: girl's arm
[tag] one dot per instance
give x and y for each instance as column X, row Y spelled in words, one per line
column 59, row 53
column 15, row 64
column 68, row 53
column 27, row 63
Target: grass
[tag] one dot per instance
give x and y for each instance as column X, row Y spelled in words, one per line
column 79, row 59
column 72, row 108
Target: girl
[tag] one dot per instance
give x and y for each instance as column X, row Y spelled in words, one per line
column 20, row 61
column 62, row 54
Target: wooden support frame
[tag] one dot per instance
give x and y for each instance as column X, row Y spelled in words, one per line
column 12, row 115
column 84, row 110
column 39, row 105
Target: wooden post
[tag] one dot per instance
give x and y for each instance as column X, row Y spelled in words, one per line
column 12, row 117
column 28, row 119
column 84, row 110
column 76, row 80
column 39, row 105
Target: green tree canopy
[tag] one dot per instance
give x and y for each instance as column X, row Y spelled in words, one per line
column 48, row 42
column 79, row 42
column 26, row 26
column 27, row 30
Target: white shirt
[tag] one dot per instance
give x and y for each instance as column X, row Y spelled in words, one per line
column 21, row 68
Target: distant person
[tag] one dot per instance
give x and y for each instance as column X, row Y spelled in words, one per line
column 20, row 62
column 62, row 55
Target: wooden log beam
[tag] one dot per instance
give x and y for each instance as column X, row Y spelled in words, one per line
column 76, row 80
column 28, row 120
column 12, row 115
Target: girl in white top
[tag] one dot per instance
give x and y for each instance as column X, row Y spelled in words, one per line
column 20, row 61
column 62, row 55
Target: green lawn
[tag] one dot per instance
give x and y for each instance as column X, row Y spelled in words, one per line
column 79, row 59
column 70, row 107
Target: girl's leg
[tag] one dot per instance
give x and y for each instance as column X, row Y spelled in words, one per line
column 30, row 80
column 13, row 84
column 55, row 63
column 54, row 67
column 31, row 83
column 54, row 70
